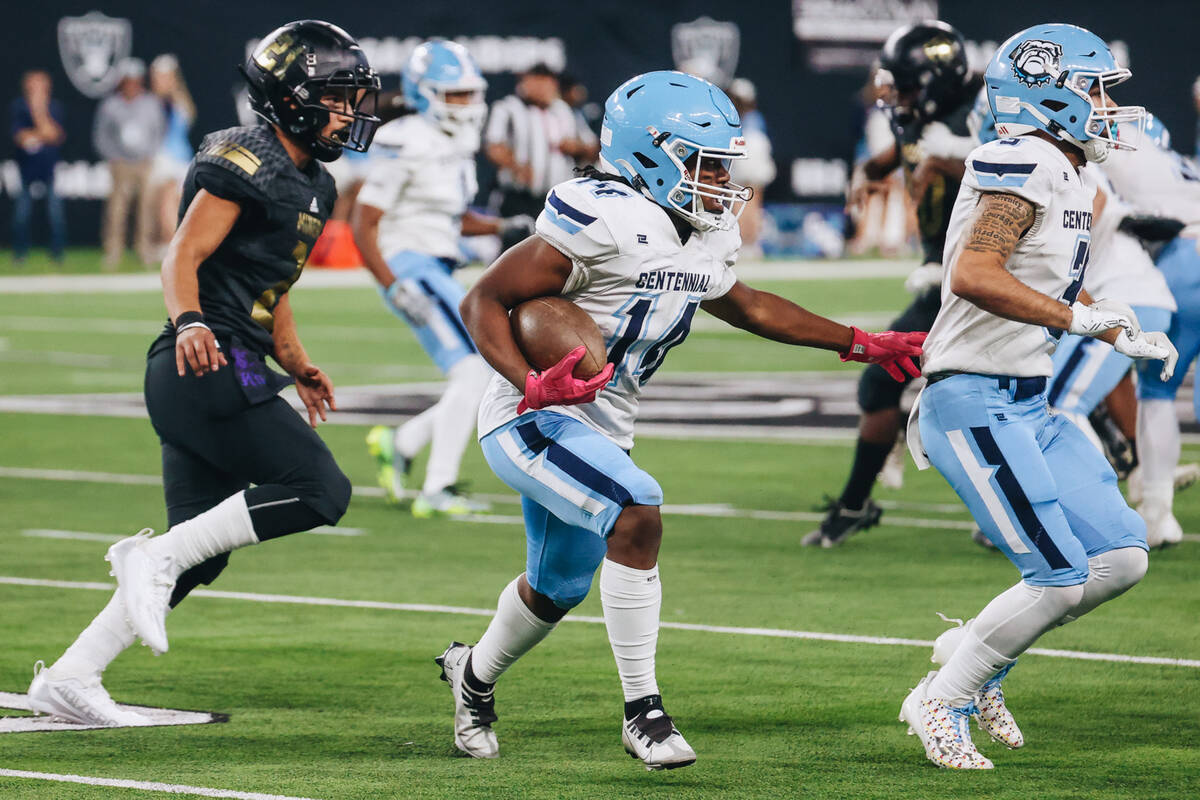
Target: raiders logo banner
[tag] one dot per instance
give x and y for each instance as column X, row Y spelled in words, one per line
column 91, row 47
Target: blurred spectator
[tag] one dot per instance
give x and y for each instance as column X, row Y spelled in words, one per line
column 37, row 131
column 588, row 115
column 128, row 133
column 536, row 141
column 757, row 170
column 171, row 162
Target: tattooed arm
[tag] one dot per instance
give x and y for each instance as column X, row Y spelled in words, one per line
column 979, row 274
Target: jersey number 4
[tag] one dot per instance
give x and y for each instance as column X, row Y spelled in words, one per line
column 1083, row 250
column 645, row 357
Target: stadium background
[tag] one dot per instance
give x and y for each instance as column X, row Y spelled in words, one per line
column 808, row 58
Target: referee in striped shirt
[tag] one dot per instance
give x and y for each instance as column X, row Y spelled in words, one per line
column 535, row 140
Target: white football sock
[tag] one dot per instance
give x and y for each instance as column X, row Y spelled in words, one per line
column 1004, row 629
column 413, row 435
column 1158, row 442
column 454, row 421
column 225, row 527
column 512, row 633
column 1109, row 574
column 632, row 600
column 103, row 640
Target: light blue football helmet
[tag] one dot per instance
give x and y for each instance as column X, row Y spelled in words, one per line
column 654, row 124
column 1041, row 79
column 437, row 68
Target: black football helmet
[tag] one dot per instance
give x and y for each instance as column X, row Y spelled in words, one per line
column 926, row 62
column 294, row 66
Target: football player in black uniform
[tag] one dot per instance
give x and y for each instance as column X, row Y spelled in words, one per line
column 254, row 202
column 924, row 66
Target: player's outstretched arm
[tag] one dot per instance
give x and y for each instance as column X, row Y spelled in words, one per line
column 205, row 225
column 531, row 269
column 772, row 317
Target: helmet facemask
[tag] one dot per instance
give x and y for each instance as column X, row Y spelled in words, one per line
column 687, row 196
column 308, row 115
column 1105, row 115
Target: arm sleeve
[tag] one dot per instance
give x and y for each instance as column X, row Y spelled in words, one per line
column 1011, row 166
column 572, row 223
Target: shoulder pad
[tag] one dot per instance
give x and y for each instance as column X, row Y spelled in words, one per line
column 249, row 152
column 573, row 220
column 1017, row 166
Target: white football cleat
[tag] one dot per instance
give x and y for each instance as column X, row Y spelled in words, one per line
column 993, row 715
column 651, row 735
column 942, row 728
column 82, row 700
column 144, row 584
column 1162, row 529
column 450, row 501
column 1185, row 476
column 473, row 713
column 892, row 474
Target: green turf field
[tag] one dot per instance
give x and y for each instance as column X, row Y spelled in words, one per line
column 339, row 703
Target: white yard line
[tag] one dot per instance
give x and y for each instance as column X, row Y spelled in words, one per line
column 88, row 536
column 145, row 786
column 775, row 633
column 721, row 510
column 791, row 270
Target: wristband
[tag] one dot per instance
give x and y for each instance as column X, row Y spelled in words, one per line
column 187, row 318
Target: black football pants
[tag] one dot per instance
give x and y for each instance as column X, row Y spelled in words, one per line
column 215, row 443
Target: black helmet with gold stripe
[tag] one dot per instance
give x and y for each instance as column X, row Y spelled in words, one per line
column 305, row 71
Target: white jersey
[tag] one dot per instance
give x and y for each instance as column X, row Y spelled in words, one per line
column 422, row 179
column 635, row 280
column 1119, row 267
column 1049, row 258
column 1155, row 180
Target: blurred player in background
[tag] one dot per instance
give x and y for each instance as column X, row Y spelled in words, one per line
column 925, row 64
column 639, row 247
column 239, row 465
column 1164, row 192
column 1018, row 246
column 412, row 212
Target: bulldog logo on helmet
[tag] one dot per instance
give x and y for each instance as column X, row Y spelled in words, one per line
column 1035, row 61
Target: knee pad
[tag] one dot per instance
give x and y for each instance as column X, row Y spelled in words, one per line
column 328, row 496
column 1120, row 569
column 877, row 390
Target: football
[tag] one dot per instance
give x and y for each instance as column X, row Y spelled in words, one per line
column 547, row 328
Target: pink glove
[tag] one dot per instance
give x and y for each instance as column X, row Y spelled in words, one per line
column 556, row 386
column 887, row 349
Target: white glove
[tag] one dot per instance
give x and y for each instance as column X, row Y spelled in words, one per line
column 1102, row 315
column 938, row 141
column 521, row 222
column 1149, row 345
column 923, row 278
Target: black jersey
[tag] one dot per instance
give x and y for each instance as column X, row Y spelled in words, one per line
column 283, row 210
column 934, row 207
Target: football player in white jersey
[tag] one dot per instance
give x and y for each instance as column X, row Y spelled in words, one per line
column 1018, row 243
column 412, row 210
column 1159, row 184
column 640, row 247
